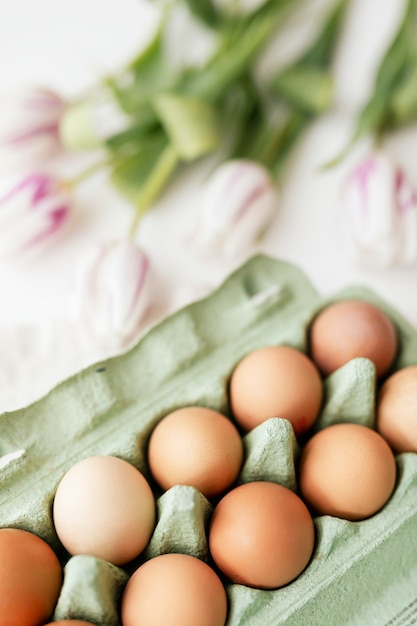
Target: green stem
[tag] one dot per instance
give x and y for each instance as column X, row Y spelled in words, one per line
column 233, row 57
column 87, row 172
column 378, row 139
column 269, row 141
column 160, row 175
column 289, row 137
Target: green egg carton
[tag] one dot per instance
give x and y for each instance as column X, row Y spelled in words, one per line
column 361, row 573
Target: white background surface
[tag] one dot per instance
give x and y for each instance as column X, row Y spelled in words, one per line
column 68, row 45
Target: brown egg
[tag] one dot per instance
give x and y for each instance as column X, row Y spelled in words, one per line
column 104, row 507
column 397, row 410
column 349, row 329
column 174, row 590
column 198, row 447
column 261, row 535
column 347, row 470
column 277, row 381
column 30, row 579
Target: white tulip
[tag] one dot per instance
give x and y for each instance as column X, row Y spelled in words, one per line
column 113, row 292
column 380, row 207
column 32, row 213
column 29, row 122
column 236, row 206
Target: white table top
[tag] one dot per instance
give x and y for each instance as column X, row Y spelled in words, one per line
column 67, row 46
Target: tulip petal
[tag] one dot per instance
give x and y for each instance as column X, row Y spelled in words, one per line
column 55, row 220
column 29, row 123
column 379, row 201
column 32, row 212
column 32, row 133
column 113, row 292
column 238, row 204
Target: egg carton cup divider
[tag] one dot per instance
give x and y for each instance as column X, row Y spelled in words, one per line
column 360, row 572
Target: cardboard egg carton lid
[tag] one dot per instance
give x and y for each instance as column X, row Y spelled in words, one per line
column 360, row 573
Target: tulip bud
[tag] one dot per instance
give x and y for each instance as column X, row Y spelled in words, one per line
column 86, row 125
column 113, row 293
column 237, row 205
column 29, row 127
column 32, row 213
column 381, row 211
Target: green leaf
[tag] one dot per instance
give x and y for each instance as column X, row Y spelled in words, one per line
column 377, row 116
column 191, row 125
column 403, row 109
column 396, row 58
column 241, row 45
column 242, row 110
column 135, row 138
column 143, row 177
column 396, row 81
column 204, row 10
column 272, row 142
column 287, row 139
column 155, row 183
column 266, row 137
column 305, row 87
column 395, row 89
column 307, row 84
column 321, row 52
column 149, row 73
column 149, row 52
column 372, row 119
column 130, row 174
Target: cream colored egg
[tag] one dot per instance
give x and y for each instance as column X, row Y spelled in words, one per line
column 104, row 507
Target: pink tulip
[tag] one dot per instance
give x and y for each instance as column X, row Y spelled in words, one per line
column 380, row 206
column 29, row 125
column 113, row 292
column 32, row 213
column 236, row 206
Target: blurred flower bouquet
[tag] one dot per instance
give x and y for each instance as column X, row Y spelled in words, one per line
column 195, row 91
